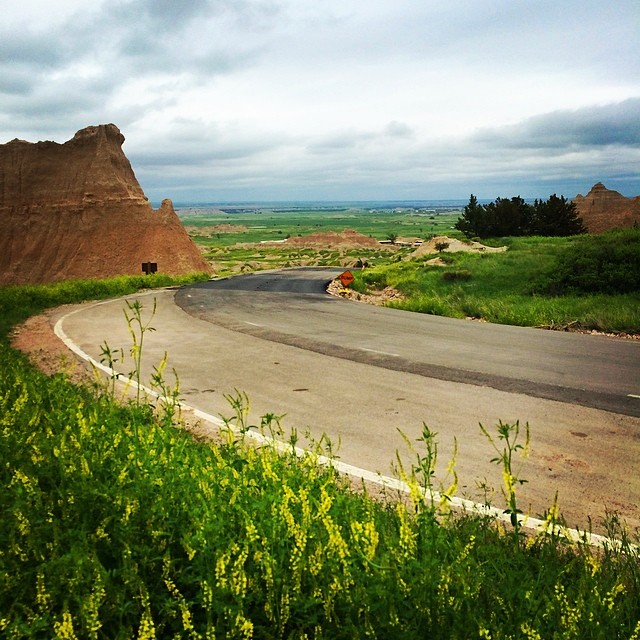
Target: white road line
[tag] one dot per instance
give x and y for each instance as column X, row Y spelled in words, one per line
column 382, row 353
column 633, row 395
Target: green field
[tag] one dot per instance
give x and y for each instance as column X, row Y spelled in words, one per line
column 269, row 224
column 234, row 252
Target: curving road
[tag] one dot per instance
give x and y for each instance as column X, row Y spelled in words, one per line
column 360, row 373
column 291, row 307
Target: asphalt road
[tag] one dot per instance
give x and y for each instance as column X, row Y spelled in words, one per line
column 291, row 307
column 359, row 374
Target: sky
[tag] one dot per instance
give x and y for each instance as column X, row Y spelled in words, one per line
column 276, row 100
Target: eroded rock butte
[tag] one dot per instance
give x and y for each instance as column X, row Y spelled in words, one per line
column 602, row 209
column 76, row 210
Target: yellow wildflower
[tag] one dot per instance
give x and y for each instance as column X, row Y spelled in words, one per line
column 64, row 630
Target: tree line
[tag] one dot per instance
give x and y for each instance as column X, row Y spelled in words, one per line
column 556, row 216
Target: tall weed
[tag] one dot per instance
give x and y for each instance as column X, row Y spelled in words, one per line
column 114, row 526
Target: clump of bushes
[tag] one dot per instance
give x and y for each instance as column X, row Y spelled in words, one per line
column 457, row 275
column 605, row 263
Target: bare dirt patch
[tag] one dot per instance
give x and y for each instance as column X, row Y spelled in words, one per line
column 37, row 339
column 444, row 244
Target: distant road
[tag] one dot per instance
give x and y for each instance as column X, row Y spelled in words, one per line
column 292, row 308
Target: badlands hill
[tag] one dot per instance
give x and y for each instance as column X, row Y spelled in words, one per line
column 602, row 209
column 76, row 210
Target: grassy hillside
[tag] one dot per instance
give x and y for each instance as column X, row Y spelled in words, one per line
column 115, row 523
column 590, row 282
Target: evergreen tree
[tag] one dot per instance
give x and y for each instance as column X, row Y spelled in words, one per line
column 508, row 217
column 514, row 217
column 473, row 222
column 556, row 217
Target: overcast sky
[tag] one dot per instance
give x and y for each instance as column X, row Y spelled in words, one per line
column 223, row 100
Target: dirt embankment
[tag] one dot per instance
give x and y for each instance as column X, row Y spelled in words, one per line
column 444, row 244
column 346, row 239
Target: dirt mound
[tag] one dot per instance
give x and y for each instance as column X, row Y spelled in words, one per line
column 348, row 238
column 444, row 244
column 76, row 210
column 602, row 209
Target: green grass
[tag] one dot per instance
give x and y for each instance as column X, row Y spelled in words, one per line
column 500, row 287
column 17, row 303
column 114, row 524
column 240, row 259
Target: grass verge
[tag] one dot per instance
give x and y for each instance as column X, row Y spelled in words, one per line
column 506, row 288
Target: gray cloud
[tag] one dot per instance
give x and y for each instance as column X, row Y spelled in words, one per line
column 123, row 43
column 352, row 164
column 25, row 48
column 613, row 124
column 291, row 97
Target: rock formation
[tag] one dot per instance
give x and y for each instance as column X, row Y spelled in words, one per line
column 348, row 238
column 602, row 209
column 443, row 244
column 76, row 210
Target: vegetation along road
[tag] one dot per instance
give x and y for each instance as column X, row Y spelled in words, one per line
column 360, row 374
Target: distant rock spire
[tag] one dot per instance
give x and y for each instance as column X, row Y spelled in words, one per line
column 603, row 209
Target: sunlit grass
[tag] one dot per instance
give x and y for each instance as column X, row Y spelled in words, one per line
column 499, row 287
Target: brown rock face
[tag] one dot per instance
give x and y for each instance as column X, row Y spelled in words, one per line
column 602, row 209
column 76, row 210
column 346, row 238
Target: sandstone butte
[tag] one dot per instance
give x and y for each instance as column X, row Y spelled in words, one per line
column 76, row 210
column 602, row 209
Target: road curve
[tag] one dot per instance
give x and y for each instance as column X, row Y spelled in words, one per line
column 291, row 307
column 587, row 455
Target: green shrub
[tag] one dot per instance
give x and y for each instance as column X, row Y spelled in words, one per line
column 457, row 275
column 603, row 263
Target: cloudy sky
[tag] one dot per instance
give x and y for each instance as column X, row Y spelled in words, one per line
column 227, row 100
